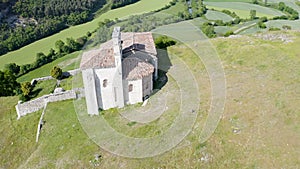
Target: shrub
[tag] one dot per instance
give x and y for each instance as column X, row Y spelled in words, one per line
column 208, row 30
column 261, row 25
column 263, row 19
column 286, row 27
column 228, row 33
column 274, row 29
column 26, row 88
column 56, row 72
column 163, row 42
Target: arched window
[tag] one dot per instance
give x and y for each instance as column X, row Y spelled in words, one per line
column 105, row 83
column 130, row 88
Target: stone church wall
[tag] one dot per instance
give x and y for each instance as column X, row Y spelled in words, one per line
column 90, row 91
column 135, row 96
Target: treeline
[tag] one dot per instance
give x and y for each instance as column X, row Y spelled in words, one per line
column 62, row 49
column 8, row 78
column 293, row 14
column 121, row 3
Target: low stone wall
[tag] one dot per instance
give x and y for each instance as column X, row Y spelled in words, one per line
column 66, row 74
column 37, row 104
column 34, row 81
column 71, row 72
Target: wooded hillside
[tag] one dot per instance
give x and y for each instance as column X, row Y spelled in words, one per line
column 25, row 21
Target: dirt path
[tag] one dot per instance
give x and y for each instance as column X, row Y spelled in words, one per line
column 244, row 28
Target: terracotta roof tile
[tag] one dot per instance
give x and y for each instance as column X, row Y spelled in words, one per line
column 142, row 41
column 104, row 56
column 134, row 68
column 99, row 58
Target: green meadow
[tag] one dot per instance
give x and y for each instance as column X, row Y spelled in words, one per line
column 66, row 63
column 243, row 9
column 216, row 15
column 228, row 1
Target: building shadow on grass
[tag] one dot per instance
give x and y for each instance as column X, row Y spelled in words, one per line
column 164, row 64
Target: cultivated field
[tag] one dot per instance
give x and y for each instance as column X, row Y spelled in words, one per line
column 243, row 9
column 216, row 15
column 227, row 1
column 295, row 25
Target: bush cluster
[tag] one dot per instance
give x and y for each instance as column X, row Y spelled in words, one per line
column 163, row 42
column 194, row 9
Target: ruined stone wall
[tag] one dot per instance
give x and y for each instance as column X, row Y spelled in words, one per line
column 66, row 74
column 37, row 104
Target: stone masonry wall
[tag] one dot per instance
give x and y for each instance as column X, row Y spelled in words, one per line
column 66, row 74
column 37, row 104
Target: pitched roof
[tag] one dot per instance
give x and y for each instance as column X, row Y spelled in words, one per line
column 99, row 58
column 134, row 68
column 104, row 56
column 142, row 41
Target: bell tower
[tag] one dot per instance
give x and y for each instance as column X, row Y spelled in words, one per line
column 118, row 80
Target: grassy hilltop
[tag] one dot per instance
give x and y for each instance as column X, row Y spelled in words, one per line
column 259, row 128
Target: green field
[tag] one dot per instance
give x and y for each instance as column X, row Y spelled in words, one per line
column 173, row 10
column 290, row 3
column 243, row 9
column 236, row 28
column 295, row 25
column 227, row 0
column 279, row 23
column 216, row 15
column 66, row 63
column 27, row 54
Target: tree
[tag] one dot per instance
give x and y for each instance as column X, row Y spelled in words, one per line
column 163, row 42
column 8, row 84
column 228, row 33
column 254, row 1
column 209, row 30
column 73, row 45
column 263, row 19
column 56, row 72
column 252, row 14
column 26, row 88
column 13, row 68
column 59, row 45
column 41, row 59
column 261, row 25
